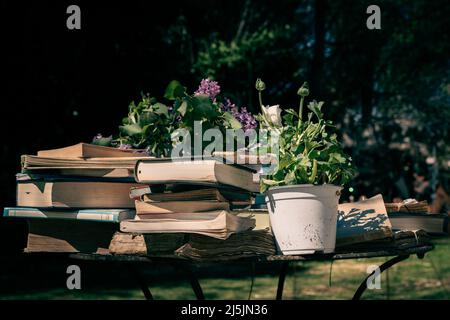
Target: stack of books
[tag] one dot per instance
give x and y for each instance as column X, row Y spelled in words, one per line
column 75, row 197
column 411, row 214
column 93, row 199
column 200, row 208
column 206, row 190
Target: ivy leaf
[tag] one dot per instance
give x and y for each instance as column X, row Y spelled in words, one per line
column 233, row 123
column 131, row 129
column 174, row 90
column 160, row 108
column 183, row 108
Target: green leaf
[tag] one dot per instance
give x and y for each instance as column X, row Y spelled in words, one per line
column 174, row 90
column 105, row 141
column 183, row 108
column 160, row 108
column 271, row 182
column 289, row 178
column 316, row 108
column 131, row 129
column 337, row 157
column 233, row 123
column 291, row 111
column 203, row 107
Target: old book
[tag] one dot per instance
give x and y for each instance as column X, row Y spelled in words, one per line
column 146, row 244
column 362, row 221
column 194, row 172
column 232, row 194
column 55, row 177
column 70, row 236
column 261, row 216
column 30, row 162
column 435, row 224
column 144, row 193
column 74, row 194
column 145, row 208
column 105, row 215
column 112, row 173
column 400, row 240
column 246, row 158
column 409, row 205
column 216, row 224
column 86, row 150
column 241, row 245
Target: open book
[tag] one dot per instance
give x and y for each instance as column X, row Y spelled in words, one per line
column 216, row 224
column 362, row 221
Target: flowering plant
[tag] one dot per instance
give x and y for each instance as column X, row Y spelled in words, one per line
column 150, row 124
column 308, row 152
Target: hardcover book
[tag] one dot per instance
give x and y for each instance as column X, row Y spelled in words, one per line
column 74, row 194
column 194, row 172
column 101, row 215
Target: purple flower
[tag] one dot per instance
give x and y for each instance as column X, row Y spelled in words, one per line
column 228, row 106
column 243, row 116
column 208, row 87
column 246, row 119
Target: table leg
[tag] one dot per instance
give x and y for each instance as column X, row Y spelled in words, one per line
column 141, row 282
column 186, row 269
column 383, row 267
column 281, row 278
column 195, row 285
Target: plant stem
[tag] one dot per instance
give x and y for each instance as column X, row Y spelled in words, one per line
column 300, row 112
column 260, row 99
column 314, row 172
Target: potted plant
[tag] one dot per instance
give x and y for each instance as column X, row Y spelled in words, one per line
column 151, row 125
column 303, row 190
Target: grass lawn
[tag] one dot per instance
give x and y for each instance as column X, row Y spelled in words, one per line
column 411, row 279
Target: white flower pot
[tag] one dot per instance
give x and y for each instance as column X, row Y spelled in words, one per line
column 304, row 217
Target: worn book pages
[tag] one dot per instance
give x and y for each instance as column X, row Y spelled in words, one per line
column 216, row 224
column 146, row 244
column 261, row 217
column 408, row 205
column 148, row 208
column 30, row 162
column 241, row 245
column 87, row 150
column 362, row 221
column 74, row 194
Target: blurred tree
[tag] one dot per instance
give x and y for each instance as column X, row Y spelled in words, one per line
column 388, row 90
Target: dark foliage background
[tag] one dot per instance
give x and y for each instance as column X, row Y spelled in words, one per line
column 388, row 89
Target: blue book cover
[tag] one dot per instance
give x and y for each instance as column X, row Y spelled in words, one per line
column 100, row 215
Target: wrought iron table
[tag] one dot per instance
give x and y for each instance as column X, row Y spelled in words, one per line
column 185, row 265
